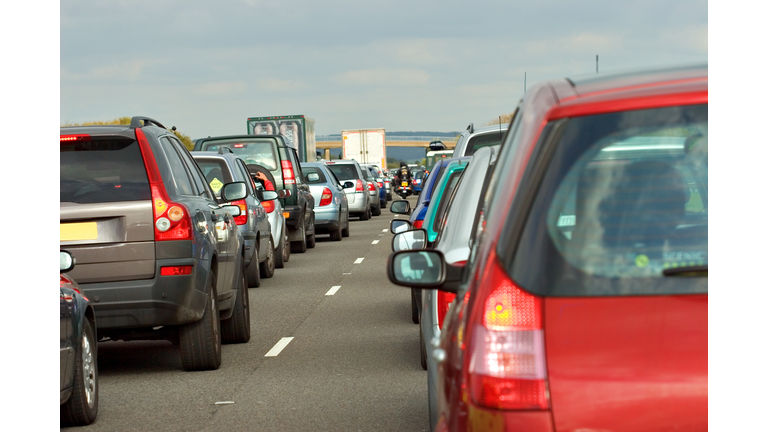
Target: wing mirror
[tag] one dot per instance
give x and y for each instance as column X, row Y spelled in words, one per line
column 423, row 269
column 233, row 191
column 269, row 196
column 233, row 210
column 397, row 226
column 400, row 207
column 66, row 261
column 410, row 240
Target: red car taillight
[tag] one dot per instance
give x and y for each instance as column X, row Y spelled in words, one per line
column 269, row 206
column 418, row 223
column 176, row 270
column 172, row 220
column 359, row 186
column 371, row 187
column 288, row 175
column 326, row 198
column 444, row 299
column 507, row 367
column 74, row 138
column 381, row 185
column 243, row 218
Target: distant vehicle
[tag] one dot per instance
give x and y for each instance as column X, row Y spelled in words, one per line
column 474, row 138
column 434, row 156
column 366, row 146
column 79, row 372
column 419, row 176
column 298, row 131
column 377, row 194
column 358, row 197
column 155, row 250
column 381, row 178
column 332, row 208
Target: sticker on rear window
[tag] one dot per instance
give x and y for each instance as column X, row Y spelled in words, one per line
column 216, row 185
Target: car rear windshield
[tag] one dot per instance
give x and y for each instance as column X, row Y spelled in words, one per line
column 622, row 208
column 313, row 175
column 252, row 152
column 102, row 170
column 485, row 140
column 419, row 174
column 344, row 171
column 216, row 173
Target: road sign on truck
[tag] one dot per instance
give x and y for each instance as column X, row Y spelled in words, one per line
column 299, row 132
column 365, row 146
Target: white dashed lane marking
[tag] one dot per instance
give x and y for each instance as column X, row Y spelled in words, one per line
column 375, row 242
column 384, row 230
column 359, row 260
column 333, row 290
column 279, row 347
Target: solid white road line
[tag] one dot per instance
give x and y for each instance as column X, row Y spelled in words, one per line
column 333, row 290
column 279, row 347
column 359, row 260
column 375, row 242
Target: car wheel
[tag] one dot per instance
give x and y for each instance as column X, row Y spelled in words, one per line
column 286, row 249
column 267, row 268
column 414, row 307
column 300, row 246
column 252, row 272
column 311, row 237
column 345, row 231
column 337, row 234
column 83, row 404
column 423, row 350
column 237, row 329
column 377, row 210
column 280, row 254
column 365, row 215
column 200, row 341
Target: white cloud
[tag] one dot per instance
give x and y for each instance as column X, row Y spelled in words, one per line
column 220, row 88
column 385, row 77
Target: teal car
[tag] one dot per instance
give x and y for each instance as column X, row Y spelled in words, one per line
column 443, row 190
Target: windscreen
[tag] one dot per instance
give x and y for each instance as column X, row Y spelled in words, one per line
column 344, row 171
column 622, row 208
column 102, row 170
column 484, row 140
column 252, row 152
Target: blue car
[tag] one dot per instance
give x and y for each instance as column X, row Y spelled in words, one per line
column 419, row 178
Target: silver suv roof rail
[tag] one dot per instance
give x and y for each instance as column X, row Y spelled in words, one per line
column 140, row 121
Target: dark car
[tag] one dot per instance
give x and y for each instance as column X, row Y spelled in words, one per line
column 260, row 247
column 79, row 375
column 157, row 255
column 282, row 167
column 584, row 304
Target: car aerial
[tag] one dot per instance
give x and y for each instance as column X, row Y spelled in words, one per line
column 375, row 192
column 584, row 305
column 253, row 223
column 332, row 209
column 283, row 170
column 79, row 374
column 357, row 196
column 474, row 138
column 157, row 255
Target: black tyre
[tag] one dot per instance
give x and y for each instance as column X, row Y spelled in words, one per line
column 237, row 329
column 311, row 237
column 83, row 404
column 300, row 246
column 267, row 268
column 414, row 307
column 423, row 350
column 252, row 273
column 286, row 249
column 200, row 341
column 337, row 233
column 377, row 210
column 366, row 215
column 280, row 253
column 345, row 230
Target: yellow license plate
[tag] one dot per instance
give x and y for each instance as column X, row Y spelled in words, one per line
column 404, row 184
column 78, row 231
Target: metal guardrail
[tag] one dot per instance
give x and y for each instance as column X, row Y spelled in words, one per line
column 321, row 138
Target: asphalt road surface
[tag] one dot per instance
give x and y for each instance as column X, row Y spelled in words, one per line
column 352, row 363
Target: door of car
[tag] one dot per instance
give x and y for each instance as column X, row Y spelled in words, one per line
column 258, row 220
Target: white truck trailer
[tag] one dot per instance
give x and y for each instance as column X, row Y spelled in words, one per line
column 365, row 146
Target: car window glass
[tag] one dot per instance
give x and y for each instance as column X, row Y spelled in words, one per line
column 261, row 152
column 623, row 201
column 450, row 185
column 483, row 140
column 216, row 173
column 314, row 175
column 344, row 171
column 180, row 174
column 245, row 176
column 197, row 181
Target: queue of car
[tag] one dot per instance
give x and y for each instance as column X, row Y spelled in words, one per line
column 167, row 242
column 563, row 272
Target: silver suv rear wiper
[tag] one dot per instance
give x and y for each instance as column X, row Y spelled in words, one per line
column 688, row 271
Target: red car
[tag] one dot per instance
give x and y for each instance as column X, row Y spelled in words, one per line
column 584, row 303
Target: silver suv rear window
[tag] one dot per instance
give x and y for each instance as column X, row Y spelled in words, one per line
column 102, row 170
column 344, row 171
column 252, row 152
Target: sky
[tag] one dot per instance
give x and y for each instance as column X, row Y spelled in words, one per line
column 205, row 67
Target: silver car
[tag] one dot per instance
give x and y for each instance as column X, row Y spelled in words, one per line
column 357, row 195
column 454, row 240
column 474, row 138
column 331, row 207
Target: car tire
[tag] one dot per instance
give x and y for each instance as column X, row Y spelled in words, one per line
column 365, row 215
column 345, row 230
column 83, row 405
column 423, row 349
column 200, row 341
column 267, row 268
column 280, row 254
column 237, row 329
column 337, row 233
column 377, row 210
column 252, row 272
column 311, row 237
column 286, row 249
column 300, row 246
column 414, row 307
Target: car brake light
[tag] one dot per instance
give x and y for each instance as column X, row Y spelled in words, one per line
column 507, row 367
column 288, row 175
column 243, row 218
column 381, row 185
column 269, row 206
column 172, row 220
column 371, row 187
column 326, row 198
column 418, row 223
column 359, row 186
column 176, row 270
column 74, row 138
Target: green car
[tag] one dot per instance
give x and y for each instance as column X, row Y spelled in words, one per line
column 443, row 189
